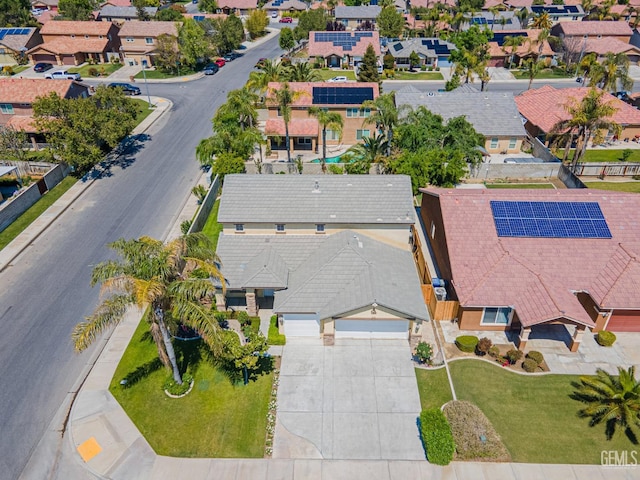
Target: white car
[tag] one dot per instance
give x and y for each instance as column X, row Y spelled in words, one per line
column 337, row 79
column 62, row 75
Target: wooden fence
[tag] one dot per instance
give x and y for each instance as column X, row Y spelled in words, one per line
column 439, row 309
column 592, row 169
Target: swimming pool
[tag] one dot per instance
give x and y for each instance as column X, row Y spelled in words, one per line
column 328, row 160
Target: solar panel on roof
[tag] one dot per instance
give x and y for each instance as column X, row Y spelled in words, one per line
column 341, row 95
column 549, row 219
column 2, row 35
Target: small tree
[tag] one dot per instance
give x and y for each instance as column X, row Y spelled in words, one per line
column 424, row 352
column 388, row 61
column 256, row 23
column 368, row 69
column 514, row 355
column 287, row 40
column 390, row 22
column 414, row 60
column 207, row 6
column 484, row 344
column 227, row 163
column 167, row 54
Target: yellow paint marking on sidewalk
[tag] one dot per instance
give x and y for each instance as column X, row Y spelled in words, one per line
column 89, row 449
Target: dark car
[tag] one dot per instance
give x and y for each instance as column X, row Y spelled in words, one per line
column 220, row 62
column 211, row 69
column 126, row 87
column 42, row 67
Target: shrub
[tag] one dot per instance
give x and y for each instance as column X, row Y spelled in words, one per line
column 484, row 345
column 494, row 351
column 424, row 352
column 275, row 337
column 437, row 437
column 335, row 169
column 467, row 343
column 529, row 365
column 93, row 72
column 242, row 317
column 606, row 339
column 474, row 436
column 535, row 356
column 185, row 226
column 514, row 355
column 176, row 389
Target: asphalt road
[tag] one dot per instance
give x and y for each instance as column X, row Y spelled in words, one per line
column 47, row 290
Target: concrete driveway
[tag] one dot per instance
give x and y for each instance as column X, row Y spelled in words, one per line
column 355, row 400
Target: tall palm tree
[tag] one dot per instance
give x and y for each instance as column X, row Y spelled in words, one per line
column 331, row 120
column 242, row 102
column 151, row 273
column 615, row 72
column 372, row 150
column 612, row 400
column 542, row 21
column 494, row 10
column 587, row 116
column 523, row 16
column 532, row 68
column 512, row 42
column 385, row 115
column 269, row 71
column 301, row 72
column 284, row 97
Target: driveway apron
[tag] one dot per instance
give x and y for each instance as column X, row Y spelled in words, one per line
column 357, row 399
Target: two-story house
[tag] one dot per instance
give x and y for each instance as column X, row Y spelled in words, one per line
column 17, row 96
column 342, row 49
column 354, row 17
column 305, row 132
column 558, row 13
column 15, row 42
column 237, row 7
column 331, row 254
column 119, row 15
column 140, row 39
column 73, row 43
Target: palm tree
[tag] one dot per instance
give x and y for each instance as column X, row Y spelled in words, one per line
column 494, row 10
column 151, row 273
column 331, row 120
column 270, row 71
column 384, row 115
column 615, row 70
column 612, row 400
column 532, row 68
column 242, row 103
column 372, row 150
column 301, row 72
column 586, row 117
column 542, row 21
column 523, row 16
column 513, row 42
column 284, row 98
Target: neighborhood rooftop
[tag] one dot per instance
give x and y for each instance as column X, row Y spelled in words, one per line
column 27, row 90
column 324, row 199
column 594, row 28
column 364, row 12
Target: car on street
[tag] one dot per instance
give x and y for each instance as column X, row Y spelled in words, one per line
column 211, row 69
column 286, row 20
column 62, row 75
column 219, row 62
column 339, row 79
column 127, row 88
column 42, row 67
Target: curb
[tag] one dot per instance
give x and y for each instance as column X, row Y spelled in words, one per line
column 19, row 244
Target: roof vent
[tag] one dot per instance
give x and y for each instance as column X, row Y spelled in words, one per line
column 316, row 187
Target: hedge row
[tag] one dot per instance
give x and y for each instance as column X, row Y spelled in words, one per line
column 437, row 437
column 467, row 343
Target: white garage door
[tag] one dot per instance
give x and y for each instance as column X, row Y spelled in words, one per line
column 301, row 325
column 372, row 329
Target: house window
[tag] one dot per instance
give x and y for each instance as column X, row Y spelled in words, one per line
column 332, row 135
column 2, row 51
column 360, row 134
column 129, row 39
column 320, row 228
column 352, row 112
column 279, row 112
column 513, row 142
column 148, row 40
column 239, row 227
column 365, row 112
column 6, row 108
column 280, row 227
column 496, row 316
column 433, row 230
column 494, row 142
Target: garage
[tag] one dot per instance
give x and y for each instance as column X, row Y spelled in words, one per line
column 301, row 325
column 45, row 57
column 388, row 329
column 628, row 321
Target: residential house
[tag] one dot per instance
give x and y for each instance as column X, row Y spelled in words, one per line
column 140, row 39
column 304, row 130
column 502, row 55
column 119, row 15
column 620, row 31
column 544, row 107
column 342, row 49
column 73, row 43
column 493, row 114
column 331, row 255
column 433, row 52
column 15, row 42
column 558, row 13
column 603, row 46
column 17, row 96
column 548, row 257
column 282, row 6
column 353, row 17
column 41, row 5
column 238, row 7
column 502, row 20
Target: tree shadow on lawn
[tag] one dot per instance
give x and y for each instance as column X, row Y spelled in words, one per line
column 236, row 375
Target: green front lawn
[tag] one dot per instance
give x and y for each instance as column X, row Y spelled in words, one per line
column 632, row 187
column 545, row 74
column 519, row 185
column 329, row 74
column 598, row 155
column 217, row 419
column 157, row 74
column 534, row 415
column 433, row 387
column 212, row 228
column 142, row 109
column 24, row 220
column 104, row 69
column 417, row 76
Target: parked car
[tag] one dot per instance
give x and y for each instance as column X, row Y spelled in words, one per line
column 62, row 75
column 211, row 69
column 274, row 14
column 286, row 20
column 42, row 67
column 219, row 62
column 127, row 88
column 338, row 79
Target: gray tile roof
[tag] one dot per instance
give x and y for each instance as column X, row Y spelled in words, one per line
column 403, row 48
column 266, row 270
column 365, row 12
column 112, row 11
column 332, row 199
column 350, row 271
column 491, row 113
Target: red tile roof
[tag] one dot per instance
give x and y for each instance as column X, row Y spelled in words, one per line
column 22, row 122
column 530, row 44
column 136, row 28
column 47, row 16
column 26, row 90
column 69, row 46
column 324, row 49
column 239, row 4
column 118, row 3
column 66, row 27
column 594, row 28
column 538, row 275
column 602, row 46
column 307, row 127
column 544, row 107
column 304, row 97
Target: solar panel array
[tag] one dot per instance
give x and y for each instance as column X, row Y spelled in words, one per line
column 277, row 3
column 346, row 40
column 554, row 9
column 198, row 18
column 434, row 44
column 549, row 219
column 499, row 37
column 488, row 21
column 341, row 95
column 13, row 31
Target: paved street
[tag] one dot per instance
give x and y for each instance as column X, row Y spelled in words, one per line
column 46, row 291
